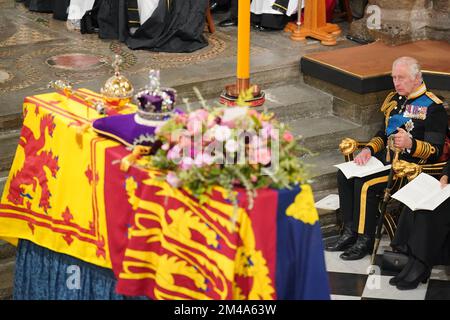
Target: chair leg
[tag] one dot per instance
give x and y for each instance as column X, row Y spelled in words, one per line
column 390, row 225
column 348, row 10
column 209, row 20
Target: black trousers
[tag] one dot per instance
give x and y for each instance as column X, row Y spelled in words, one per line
column 426, row 234
column 359, row 199
column 233, row 9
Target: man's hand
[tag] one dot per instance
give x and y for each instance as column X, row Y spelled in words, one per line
column 402, row 140
column 444, row 181
column 364, row 156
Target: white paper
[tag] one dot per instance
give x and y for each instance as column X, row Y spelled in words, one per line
column 330, row 202
column 423, row 193
column 350, row 169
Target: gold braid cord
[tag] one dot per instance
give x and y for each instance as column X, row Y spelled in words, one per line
column 423, row 150
column 387, row 107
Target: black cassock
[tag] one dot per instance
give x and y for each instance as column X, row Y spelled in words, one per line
column 174, row 26
column 425, row 233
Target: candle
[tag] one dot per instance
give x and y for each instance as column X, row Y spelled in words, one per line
column 243, row 50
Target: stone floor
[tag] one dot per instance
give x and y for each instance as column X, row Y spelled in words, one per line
column 34, row 49
column 350, row 280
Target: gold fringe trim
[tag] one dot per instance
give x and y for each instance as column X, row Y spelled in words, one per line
column 388, row 106
column 130, row 159
column 80, row 131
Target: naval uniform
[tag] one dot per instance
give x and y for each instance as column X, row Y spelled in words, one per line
column 426, row 122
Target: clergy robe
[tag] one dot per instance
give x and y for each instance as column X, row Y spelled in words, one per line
column 58, row 7
column 266, row 13
column 174, row 26
column 78, row 8
column 288, row 7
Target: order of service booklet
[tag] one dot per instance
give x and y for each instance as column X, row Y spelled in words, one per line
column 350, row 169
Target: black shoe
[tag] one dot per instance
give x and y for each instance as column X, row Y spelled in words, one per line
column 362, row 247
column 346, row 240
column 228, row 23
column 402, row 274
column 419, row 272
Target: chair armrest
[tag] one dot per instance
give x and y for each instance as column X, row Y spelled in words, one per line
column 411, row 170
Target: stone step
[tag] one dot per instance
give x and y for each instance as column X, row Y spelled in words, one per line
column 3, row 177
column 291, row 102
column 325, row 133
column 329, row 219
column 210, row 87
column 8, row 145
column 6, row 278
column 321, row 170
column 11, row 121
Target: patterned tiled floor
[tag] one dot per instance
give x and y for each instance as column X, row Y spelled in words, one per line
column 350, row 280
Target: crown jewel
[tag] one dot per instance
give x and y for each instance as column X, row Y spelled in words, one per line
column 155, row 103
column 118, row 86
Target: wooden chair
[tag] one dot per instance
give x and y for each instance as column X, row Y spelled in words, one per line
column 209, row 20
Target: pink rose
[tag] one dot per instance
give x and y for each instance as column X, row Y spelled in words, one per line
column 181, row 119
column 199, row 115
column 253, row 112
column 287, row 136
column 264, row 156
column 194, row 127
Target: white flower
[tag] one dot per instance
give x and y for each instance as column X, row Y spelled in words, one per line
column 231, row 146
column 222, row 133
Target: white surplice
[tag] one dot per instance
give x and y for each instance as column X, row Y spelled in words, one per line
column 146, row 8
column 78, row 8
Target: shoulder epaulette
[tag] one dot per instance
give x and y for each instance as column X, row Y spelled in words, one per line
column 433, row 97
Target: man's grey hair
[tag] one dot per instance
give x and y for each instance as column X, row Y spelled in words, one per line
column 412, row 64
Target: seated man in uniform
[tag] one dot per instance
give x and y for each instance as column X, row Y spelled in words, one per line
column 417, row 121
